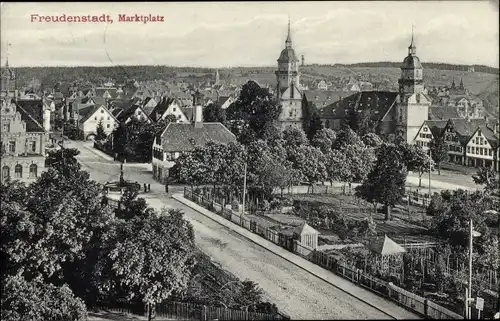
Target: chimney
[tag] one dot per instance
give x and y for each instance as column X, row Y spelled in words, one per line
column 198, row 116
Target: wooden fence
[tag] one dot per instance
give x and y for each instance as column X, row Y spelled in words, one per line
column 189, row 311
column 407, row 299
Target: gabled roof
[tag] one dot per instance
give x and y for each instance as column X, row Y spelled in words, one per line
column 435, row 126
column 86, row 112
column 33, row 107
column 490, row 136
column 183, row 137
column 160, row 108
column 32, row 126
column 188, row 112
column 465, row 128
column 385, row 246
column 129, row 112
column 304, row 229
column 222, row 100
column 117, row 111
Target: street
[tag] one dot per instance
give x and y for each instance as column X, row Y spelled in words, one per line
column 295, row 291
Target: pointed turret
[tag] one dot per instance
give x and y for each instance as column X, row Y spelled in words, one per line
column 412, row 49
column 461, row 83
column 288, row 41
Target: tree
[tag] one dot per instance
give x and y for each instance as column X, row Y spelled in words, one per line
column 311, row 162
column 214, row 113
column 360, row 121
column 417, row 160
column 337, row 167
column 294, row 137
column 487, row 177
column 451, row 220
column 34, row 300
column 63, row 160
column 324, row 139
column 439, row 151
column 315, row 125
column 248, row 295
column 131, row 206
column 151, row 258
column 101, row 134
column 385, row 183
column 346, row 136
column 255, row 110
column 372, row 140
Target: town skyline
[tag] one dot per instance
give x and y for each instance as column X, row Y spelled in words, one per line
column 211, row 35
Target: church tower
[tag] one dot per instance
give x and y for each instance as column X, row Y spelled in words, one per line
column 288, row 92
column 288, row 67
column 413, row 107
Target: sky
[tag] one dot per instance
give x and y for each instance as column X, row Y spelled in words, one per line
column 224, row 34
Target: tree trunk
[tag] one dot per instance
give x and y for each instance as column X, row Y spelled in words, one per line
column 420, row 179
column 388, row 209
column 439, row 169
column 150, row 312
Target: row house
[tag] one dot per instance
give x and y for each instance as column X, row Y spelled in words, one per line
column 482, row 148
column 471, row 142
column 23, row 143
column 180, row 138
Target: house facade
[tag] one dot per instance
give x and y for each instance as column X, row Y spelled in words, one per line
column 179, row 138
column 431, row 129
column 23, row 143
column 482, row 148
column 89, row 118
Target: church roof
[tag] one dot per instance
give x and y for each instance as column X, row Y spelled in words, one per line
column 385, row 246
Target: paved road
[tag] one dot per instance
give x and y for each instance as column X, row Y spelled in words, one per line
column 294, row 290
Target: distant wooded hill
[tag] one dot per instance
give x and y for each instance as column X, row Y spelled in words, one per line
column 49, row 76
column 427, row 65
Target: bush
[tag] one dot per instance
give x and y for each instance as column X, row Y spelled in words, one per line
column 265, row 206
column 275, row 204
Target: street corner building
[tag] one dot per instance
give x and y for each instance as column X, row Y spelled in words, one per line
column 178, row 138
column 23, row 141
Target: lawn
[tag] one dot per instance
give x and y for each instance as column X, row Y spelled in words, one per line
column 402, row 223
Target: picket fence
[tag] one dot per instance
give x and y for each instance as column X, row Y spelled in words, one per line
column 404, row 298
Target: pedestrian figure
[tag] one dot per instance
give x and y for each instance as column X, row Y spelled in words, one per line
column 145, row 188
column 166, row 187
column 149, row 187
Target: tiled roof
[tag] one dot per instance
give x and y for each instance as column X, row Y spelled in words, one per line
column 379, row 101
column 117, row 111
column 183, row 137
column 322, row 98
column 86, row 112
column 32, row 126
column 489, row 135
column 33, row 107
column 188, row 112
column 436, row 126
column 443, row 113
column 465, row 128
column 160, row 108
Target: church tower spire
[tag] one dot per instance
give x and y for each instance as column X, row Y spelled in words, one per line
column 288, row 42
column 412, row 49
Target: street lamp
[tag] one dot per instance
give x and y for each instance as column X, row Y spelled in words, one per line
column 468, row 296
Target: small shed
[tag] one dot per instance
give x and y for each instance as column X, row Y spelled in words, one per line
column 306, row 235
column 388, row 255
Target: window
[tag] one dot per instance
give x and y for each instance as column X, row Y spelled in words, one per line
column 18, row 171
column 102, row 111
column 32, row 146
column 33, row 171
column 108, row 125
column 174, row 109
column 425, row 129
column 481, row 141
column 5, row 172
column 481, row 151
column 108, row 118
column 12, row 146
column 6, row 127
column 95, row 118
column 490, row 152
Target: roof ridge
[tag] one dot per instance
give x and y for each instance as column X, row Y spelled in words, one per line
column 31, row 117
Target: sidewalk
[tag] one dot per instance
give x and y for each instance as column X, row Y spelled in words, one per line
column 97, row 152
column 359, row 293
